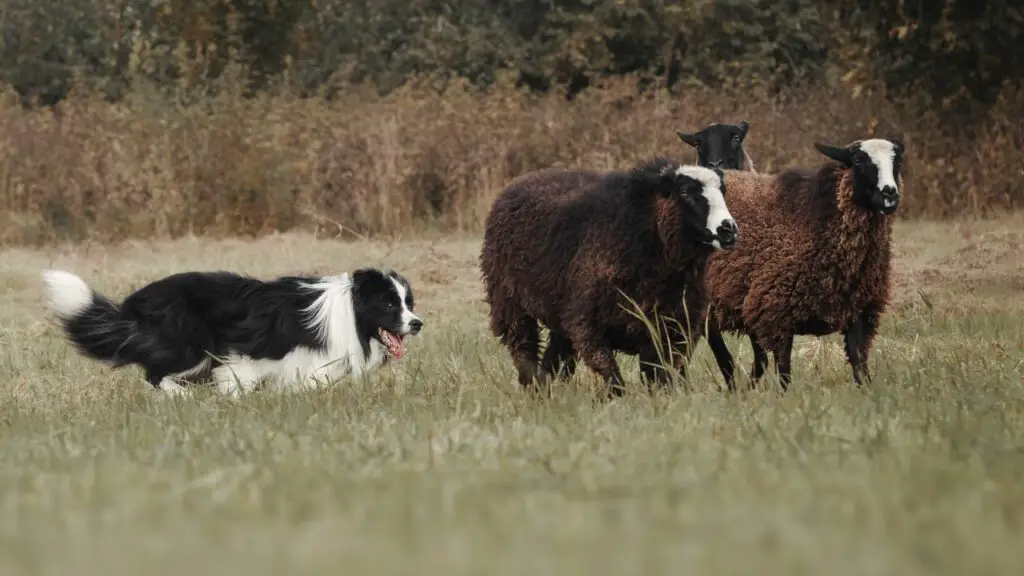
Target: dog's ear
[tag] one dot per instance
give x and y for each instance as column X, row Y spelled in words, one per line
column 358, row 279
column 688, row 137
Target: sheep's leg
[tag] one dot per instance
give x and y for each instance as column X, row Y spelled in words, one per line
column 653, row 357
column 522, row 338
column 652, row 368
column 601, row 359
column 677, row 342
column 722, row 357
column 683, row 351
column 852, row 338
column 559, row 359
column 783, row 361
column 682, row 354
column 688, row 329
column 517, row 331
column 857, row 339
column 760, row 362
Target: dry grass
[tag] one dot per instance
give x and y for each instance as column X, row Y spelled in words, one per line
column 440, row 465
column 418, row 159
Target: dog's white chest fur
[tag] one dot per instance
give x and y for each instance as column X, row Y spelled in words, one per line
column 301, row 369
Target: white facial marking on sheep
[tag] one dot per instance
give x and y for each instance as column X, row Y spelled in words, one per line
column 718, row 212
column 882, row 154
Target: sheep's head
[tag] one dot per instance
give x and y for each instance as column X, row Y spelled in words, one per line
column 875, row 166
column 718, row 145
column 691, row 203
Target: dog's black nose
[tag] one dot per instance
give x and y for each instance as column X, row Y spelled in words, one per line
column 415, row 326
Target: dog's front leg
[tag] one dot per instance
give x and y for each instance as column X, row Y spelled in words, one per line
column 235, row 377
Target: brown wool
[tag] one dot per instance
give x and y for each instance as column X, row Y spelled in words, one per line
column 808, row 260
column 549, row 257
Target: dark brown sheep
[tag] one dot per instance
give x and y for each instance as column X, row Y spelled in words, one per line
column 559, row 245
column 814, row 260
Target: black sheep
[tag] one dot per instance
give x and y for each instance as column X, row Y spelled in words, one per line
column 559, row 245
column 720, row 146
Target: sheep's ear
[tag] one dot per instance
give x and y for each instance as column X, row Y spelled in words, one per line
column 669, row 183
column 898, row 142
column 744, row 127
column 688, row 137
column 841, row 155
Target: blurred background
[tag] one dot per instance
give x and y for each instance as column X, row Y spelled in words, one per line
column 148, row 118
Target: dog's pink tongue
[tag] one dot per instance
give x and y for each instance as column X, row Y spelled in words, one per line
column 396, row 344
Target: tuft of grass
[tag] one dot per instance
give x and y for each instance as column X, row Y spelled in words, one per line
column 440, row 464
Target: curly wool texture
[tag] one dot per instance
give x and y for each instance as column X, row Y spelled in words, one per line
column 558, row 247
column 809, row 261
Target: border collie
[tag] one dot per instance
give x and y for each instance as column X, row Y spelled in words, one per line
column 295, row 332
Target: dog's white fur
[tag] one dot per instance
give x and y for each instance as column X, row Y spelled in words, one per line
column 66, row 294
column 331, row 316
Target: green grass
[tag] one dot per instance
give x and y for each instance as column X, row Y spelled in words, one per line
column 439, row 464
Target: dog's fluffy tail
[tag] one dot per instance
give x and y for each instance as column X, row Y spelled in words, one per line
column 93, row 323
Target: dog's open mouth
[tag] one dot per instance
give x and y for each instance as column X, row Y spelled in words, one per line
column 394, row 343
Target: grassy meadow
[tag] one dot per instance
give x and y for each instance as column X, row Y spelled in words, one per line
column 276, row 138
column 440, row 464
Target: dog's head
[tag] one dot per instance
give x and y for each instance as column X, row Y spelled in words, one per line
column 384, row 304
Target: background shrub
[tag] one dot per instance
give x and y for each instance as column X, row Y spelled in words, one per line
column 223, row 117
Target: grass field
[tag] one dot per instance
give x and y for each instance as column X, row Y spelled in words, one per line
column 439, row 464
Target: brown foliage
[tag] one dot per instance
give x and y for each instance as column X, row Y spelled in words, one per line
column 420, row 158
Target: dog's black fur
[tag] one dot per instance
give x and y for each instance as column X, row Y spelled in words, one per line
column 186, row 324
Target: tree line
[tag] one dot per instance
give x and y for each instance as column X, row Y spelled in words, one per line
column 950, row 55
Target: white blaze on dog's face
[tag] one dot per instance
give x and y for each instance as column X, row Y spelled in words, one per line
column 383, row 305
column 719, row 224
column 411, row 323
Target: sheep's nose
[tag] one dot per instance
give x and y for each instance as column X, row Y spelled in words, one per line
column 728, row 232
column 890, row 199
column 415, row 326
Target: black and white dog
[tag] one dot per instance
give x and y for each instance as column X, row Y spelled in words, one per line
column 293, row 332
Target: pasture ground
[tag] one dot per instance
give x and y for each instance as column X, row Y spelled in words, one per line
column 439, row 464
